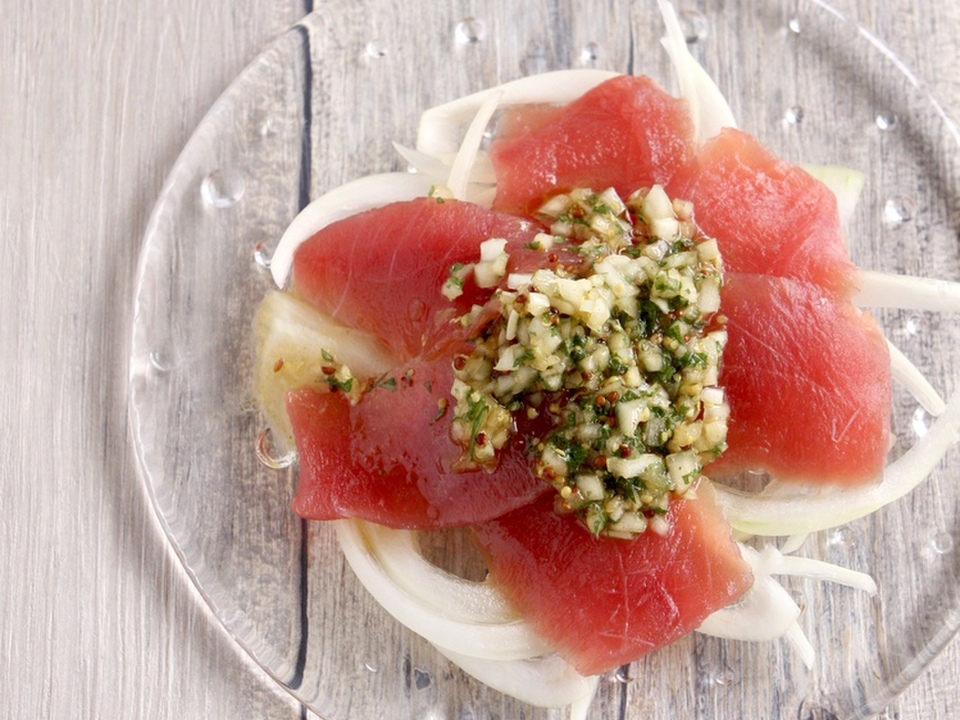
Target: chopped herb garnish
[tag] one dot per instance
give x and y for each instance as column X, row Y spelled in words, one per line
column 388, row 383
column 345, row 385
column 611, row 351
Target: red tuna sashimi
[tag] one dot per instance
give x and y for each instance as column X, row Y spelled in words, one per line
column 382, row 270
column 764, row 389
column 604, row 602
column 627, row 133
column 390, row 458
column 769, row 216
column 807, row 377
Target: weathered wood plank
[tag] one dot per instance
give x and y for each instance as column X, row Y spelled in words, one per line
column 96, row 102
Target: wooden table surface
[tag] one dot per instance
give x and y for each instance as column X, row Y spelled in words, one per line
column 96, row 100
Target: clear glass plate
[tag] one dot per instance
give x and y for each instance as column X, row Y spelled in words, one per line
column 321, row 106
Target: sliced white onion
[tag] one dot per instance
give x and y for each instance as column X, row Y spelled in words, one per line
column 708, row 107
column 460, row 171
column 765, row 612
column 770, row 561
column 793, row 508
column 802, row 645
column 390, row 565
column 845, row 183
column 908, row 375
column 398, row 551
column 291, row 330
column 438, row 169
column 481, row 195
column 470, row 623
column 476, row 630
column 287, row 320
column 887, row 290
column 427, row 165
column 342, row 202
column 440, row 126
column 432, row 620
column 793, row 543
column 545, row 682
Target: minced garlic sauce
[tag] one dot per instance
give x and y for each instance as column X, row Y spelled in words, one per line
column 623, row 351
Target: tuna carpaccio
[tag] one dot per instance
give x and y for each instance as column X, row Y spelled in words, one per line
column 388, row 458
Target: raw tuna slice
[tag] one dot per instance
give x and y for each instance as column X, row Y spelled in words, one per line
column 626, row 133
column 807, row 377
column 390, row 459
column 769, row 216
column 604, row 602
column 382, row 270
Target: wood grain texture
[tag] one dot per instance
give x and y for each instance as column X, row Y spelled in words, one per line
column 96, row 101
